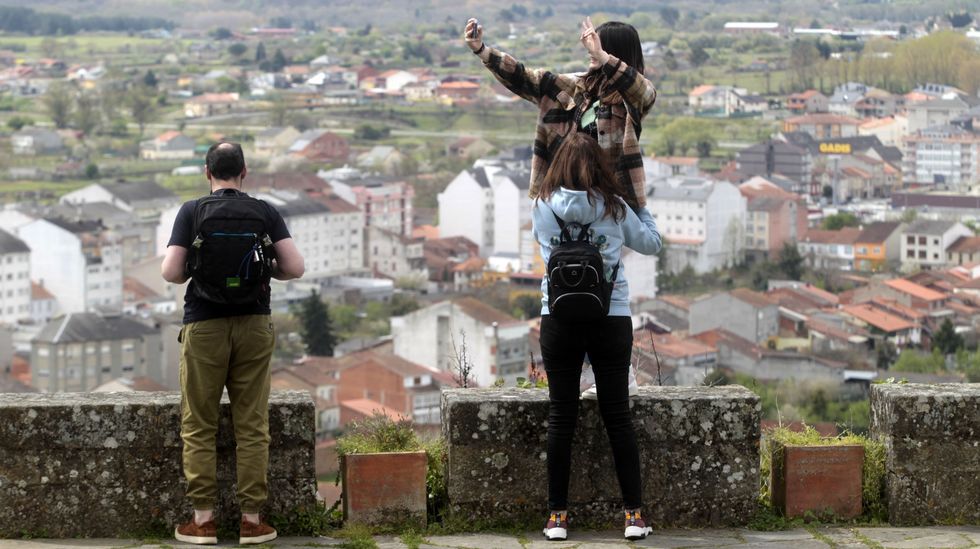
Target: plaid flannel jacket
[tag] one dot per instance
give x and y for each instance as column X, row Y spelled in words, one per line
column 560, row 100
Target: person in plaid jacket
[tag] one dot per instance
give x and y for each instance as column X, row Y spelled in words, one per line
column 608, row 102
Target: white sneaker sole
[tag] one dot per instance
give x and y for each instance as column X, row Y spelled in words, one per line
column 196, row 540
column 556, row 534
column 634, row 533
column 257, row 539
column 591, row 394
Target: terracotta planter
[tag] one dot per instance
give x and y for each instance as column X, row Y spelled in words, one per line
column 385, row 488
column 818, row 479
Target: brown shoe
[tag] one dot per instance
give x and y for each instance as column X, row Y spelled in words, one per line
column 200, row 534
column 252, row 533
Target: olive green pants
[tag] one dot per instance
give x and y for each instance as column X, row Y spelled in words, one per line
column 232, row 352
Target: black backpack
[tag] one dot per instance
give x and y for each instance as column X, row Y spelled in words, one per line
column 231, row 257
column 577, row 287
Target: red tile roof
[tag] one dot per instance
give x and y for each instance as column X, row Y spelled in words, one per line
column 847, row 236
column 915, row 290
column 368, row 407
column 965, row 244
column 878, row 318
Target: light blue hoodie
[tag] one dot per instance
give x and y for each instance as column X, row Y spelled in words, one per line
column 637, row 231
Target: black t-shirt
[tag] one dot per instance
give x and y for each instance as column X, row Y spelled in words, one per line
column 197, row 308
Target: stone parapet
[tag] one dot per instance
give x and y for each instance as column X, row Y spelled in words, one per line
column 699, row 456
column 109, row 464
column 932, row 451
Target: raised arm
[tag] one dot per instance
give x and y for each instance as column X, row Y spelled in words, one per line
column 530, row 84
column 289, row 263
column 638, row 92
column 640, row 231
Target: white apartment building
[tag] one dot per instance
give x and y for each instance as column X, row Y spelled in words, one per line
column 945, row 156
column 331, row 240
column 701, row 220
column 924, row 243
column 15, row 279
column 396, row 256
column 385, row 201
column 80, row 263
column 487, row 204
column 497, row 345
column 145, row 199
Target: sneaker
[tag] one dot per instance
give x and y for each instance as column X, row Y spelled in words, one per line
column 634, row 389
column 199, row 534
column 557, row 527
column 587, row 379
column 252, row 533
column 635, row 527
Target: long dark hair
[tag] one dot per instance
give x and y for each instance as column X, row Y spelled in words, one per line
column 622, row 41
column 580, row 164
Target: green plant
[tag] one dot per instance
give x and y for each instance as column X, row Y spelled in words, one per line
column 873, row 469
column 306, row 521
column 381, row 433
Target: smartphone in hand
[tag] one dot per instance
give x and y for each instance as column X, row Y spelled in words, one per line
column 473, row 30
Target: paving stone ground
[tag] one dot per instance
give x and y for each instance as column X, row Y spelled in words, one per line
column 952, row 537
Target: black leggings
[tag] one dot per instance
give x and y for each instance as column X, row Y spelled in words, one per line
column 609, row 344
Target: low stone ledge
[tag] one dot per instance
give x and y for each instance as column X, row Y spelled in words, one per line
column 699, row 456
column 109, row 464
column 932, row 451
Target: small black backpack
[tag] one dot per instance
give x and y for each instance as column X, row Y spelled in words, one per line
column 231, row 257
column 577, row 287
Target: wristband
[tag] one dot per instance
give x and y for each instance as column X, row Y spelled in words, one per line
column 479, row 51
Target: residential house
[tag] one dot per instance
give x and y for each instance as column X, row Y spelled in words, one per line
column 44, row 306
column 890, row 130
column 881, row 324
column 701, row 220
column 487, row 204
column 469, row 148
column 146, row 200
column 772, row 158
column 773, row 218
column 845, row 98
column 15, row 274
column 385, row 201
column 459, row 91
column 945, row 157
column 924, row 243
column 32, row 141
column 395, row 79
column 671, row 311
column 743, row 356
column 878, row 246
column 878, row 103
column 210, row 104
column 310, row 375
column 964, row 251
column 80, row 351
column 274, row 141
column 81, row 263
column 320, row 146
column 823, row 249
column 395, row 255
column 657, row 167
column 496, row 344
column 937, row 112
column 169, row 145
column 642, row 271
column 823, row 125
column 750, row 315
column 382, row 158
column 442, row 256
column 136, row 236
column 724, row 101
column 808, row 102
column 689, row 359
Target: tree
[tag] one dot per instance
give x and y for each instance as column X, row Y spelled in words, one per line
column 87, row 116
column 885, row 355
column 698, row 55
column 670, row 60
column 17, row 122
column 946, row 339
column 57, row 101
column 237, row 49
column 803, row 57
column 150, row 79
column 959, row 20
column 840, row 220
column 526, row 306
column 909, row 215
column 670, row 16
column 92, row 171
column 142, row 106
column 790, row 261
column 221, row 33
column 278, row 111
column 260, row 52
column 316, row 326
column 279, row 61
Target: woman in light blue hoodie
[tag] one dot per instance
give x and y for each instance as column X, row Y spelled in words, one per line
column 580, row 189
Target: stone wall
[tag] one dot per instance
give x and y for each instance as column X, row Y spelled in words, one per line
column 109, row 464
column 699, row 454
column 932, row 451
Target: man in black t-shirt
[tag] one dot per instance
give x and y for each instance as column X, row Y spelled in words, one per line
column 226, row 346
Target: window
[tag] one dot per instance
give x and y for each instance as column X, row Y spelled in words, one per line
column 923, row 240
column 910, row 254
column 910, row 240
column 935, row 241
column 877, row 250
column 922, row 254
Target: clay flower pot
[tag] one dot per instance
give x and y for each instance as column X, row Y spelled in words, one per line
column 385, row 488
column 819, row 480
